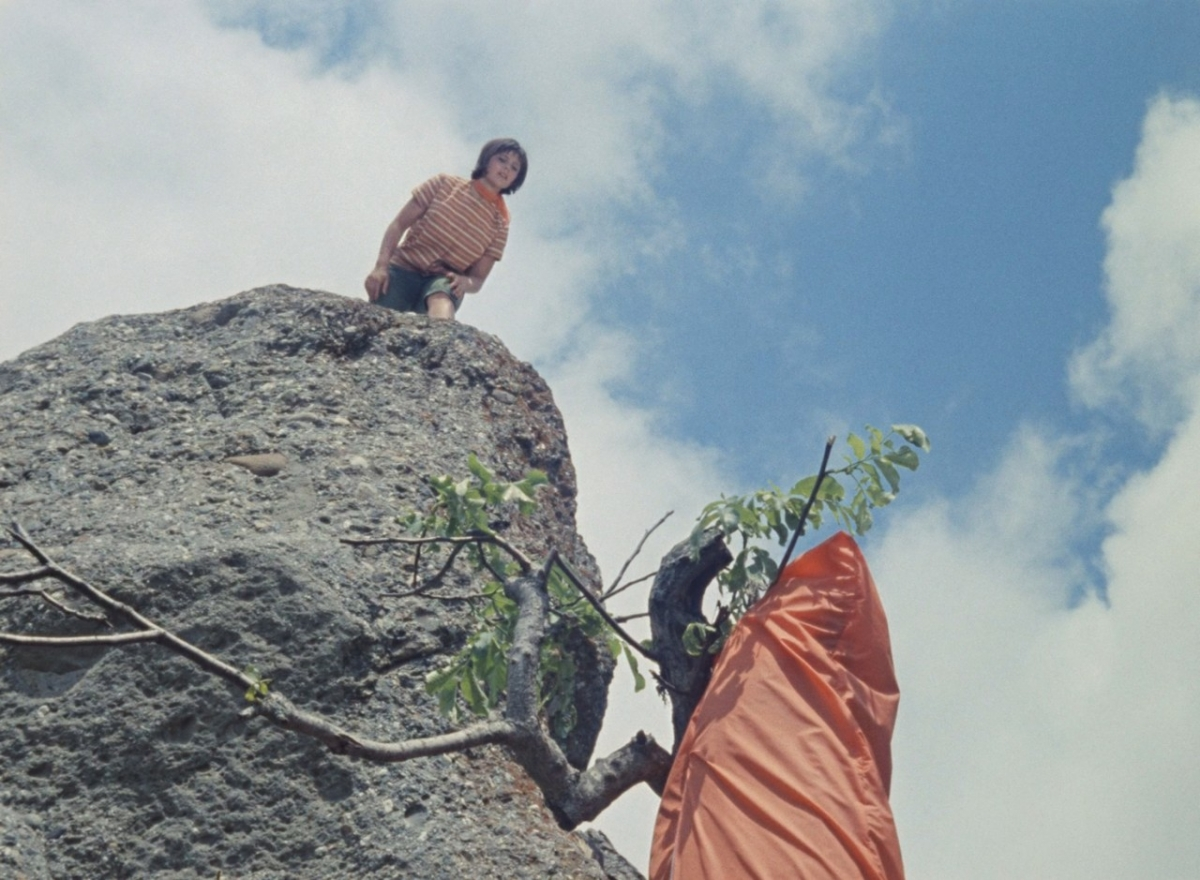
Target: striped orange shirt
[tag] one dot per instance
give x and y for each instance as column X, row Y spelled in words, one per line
column 457, row 228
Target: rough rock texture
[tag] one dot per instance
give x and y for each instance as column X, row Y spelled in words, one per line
column 202, row 465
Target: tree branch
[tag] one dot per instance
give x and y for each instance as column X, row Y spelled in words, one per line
column 24, row 577
column 520, row 558
column 565, row 568
column 49, row 599
column 109, row 640
column 613, row 590
column 787, row 555
column 573, row 796
column 281, row 712
column 675, row 602
column 633, row 583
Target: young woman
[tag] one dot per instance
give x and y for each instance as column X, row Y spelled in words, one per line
column 444, row 242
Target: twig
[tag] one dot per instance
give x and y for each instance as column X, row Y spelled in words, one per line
column 565, row 568
column 112, row 639
column 477, row 538
column 416, row 564
column 572, row 795
column 626, row 586
column 487, row 563
column 437, row 578
column 612, row 591
column 625, row 618
column 408, row 594
column 282, row 713
column 805, row 511
column 666, row 685
column 146, row 628
column 24, row 577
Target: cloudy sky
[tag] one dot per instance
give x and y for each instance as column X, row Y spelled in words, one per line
column 747, row 224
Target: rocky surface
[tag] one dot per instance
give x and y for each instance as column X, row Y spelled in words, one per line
column 202, row 465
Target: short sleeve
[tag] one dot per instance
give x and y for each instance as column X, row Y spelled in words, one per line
column 426, row 192
column 495, row 250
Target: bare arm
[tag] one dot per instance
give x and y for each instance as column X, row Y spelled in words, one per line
column 376, row 283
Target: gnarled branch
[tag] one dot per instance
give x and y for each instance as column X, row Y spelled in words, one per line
column 573, row 795
column 675, row 602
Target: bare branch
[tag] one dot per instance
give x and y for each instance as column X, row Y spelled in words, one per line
column 640, row 760
column 146, row 630
column 478, row 538
column 625, row 618
column 595, row 602
column 522, row 560
column 50, row 599
column 75, row 612
column 433, row 581
column 281, row 712
column 676, row 601
column 806, row 510
column 110, row 639
column 632, row 583
column 533, row 606
column 423, row 592
column 613, row 590
column 24, row 577
column 441, row 573
column 573, row 796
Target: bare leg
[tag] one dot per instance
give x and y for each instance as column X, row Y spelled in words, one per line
column 440, row 307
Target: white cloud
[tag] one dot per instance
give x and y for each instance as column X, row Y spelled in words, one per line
column 158, row 155
column 153, row 160
column 1039, row 738
column 1149, row 355
column 168, row 162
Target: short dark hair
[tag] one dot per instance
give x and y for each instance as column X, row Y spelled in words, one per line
column 495, row 148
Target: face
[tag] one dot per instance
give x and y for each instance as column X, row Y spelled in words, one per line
column 502, row 170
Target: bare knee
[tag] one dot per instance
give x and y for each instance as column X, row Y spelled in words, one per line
column 440, row 306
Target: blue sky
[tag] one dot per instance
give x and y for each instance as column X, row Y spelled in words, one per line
column 746, row 225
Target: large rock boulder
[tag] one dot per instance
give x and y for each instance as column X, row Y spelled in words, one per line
column 202, row 465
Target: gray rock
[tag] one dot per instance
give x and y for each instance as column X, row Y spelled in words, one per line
column 132, row 763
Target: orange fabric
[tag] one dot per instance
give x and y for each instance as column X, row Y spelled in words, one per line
column 785, row 768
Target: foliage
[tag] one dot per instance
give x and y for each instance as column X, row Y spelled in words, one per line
column 260, row 687
column 847, row 496
column 474, row 680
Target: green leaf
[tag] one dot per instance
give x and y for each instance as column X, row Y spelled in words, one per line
column 890, row 473
column 695, row 637
column 876, row 440
column 535, row 478
column 515, row 493
column 473, row 694
column 475, row 466
column 913, row 435
column 857, row 445
column 804, row 488
column 863, row 519
column 905, row 457
column 639, row 680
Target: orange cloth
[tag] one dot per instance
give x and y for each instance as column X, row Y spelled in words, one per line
column 785, row 768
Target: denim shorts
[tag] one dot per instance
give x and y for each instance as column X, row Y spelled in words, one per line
column 407, row 291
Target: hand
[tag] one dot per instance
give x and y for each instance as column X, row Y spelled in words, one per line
column 376, row 284
column 460, row 284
